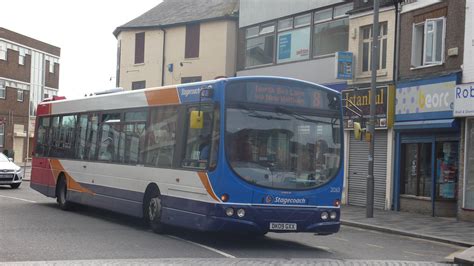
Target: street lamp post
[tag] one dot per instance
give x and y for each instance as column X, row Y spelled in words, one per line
column 371, row 126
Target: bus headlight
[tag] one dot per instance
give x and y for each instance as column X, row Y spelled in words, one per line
column 229, row 212
column 324, row 215
column 241, row 213
column 333, row 215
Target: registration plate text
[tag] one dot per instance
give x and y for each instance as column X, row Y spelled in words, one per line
column 283, row 226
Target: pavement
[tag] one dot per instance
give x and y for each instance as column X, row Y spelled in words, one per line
column 440, row 229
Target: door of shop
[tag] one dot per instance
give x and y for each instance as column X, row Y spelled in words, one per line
column 358, row 170
column 428, row 175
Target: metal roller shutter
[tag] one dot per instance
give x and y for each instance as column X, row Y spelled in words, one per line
column 358, row 170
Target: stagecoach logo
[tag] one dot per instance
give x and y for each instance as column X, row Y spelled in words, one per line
column 268, row 199
column 188, row 92
column 280, row 200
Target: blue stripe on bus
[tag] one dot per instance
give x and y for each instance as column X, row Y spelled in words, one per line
column 115, row 192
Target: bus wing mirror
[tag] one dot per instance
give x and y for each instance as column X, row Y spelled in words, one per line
column 357, row 131
column 196, row 120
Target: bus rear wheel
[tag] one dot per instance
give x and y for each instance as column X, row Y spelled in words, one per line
column 61, row 194
column 152, row 212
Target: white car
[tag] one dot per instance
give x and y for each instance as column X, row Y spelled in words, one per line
column 10, row 173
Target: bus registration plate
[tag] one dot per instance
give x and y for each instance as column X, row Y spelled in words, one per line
column 283, row 226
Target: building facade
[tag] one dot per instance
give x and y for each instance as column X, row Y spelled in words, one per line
column 177, row 42
column 357, row 97
column 297, row 39
column 29, row 72
column 427, row 135
column 464, row 112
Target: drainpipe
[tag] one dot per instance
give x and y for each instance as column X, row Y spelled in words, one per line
column 163, row 58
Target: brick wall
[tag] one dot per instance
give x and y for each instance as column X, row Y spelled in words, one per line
column 11, row 69
column 30, row 42
column 13, row 112
column 455, row 11
column 52, row 79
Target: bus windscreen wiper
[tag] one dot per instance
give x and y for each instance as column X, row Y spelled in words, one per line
column 299, row 116
column 256, row 114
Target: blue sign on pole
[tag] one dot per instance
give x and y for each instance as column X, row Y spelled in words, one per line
column 344, row 61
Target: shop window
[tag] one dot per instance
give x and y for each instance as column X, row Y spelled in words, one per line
column 139, row 48
column 259, row 47
column 367, row 39
column 447, row 154
column 416, row 170
column 428, row 42
column 293, row 45
column 468, row 192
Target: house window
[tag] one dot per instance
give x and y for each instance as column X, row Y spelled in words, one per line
column 259, row 45
column 138, row 85
column 3, row 91
column 2, row 135
column 192, row 41
column 3, row 51
column 367, row 38
column 190, row 79
column 51, row 66
column 139, row 48
column 428, row 42
column 20, row 95
column 21, row 57
column 331, row 30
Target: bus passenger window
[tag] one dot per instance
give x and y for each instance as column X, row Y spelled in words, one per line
column 161, row 137
column 198, row 141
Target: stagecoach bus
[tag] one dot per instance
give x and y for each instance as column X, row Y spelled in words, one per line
column 247, row 154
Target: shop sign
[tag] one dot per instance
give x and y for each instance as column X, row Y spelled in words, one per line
column 344, row 65
column 356, row 103
column 427, row 99
column 464, row 100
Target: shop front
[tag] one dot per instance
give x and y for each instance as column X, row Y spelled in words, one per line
column 464, row 111
column 427, row 147
column 357, row 109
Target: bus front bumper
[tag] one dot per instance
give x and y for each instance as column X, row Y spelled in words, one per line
column 257, row 219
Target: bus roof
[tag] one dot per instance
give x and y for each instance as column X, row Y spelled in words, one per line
column 167, row 95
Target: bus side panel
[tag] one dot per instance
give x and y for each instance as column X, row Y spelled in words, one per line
column 42, row 178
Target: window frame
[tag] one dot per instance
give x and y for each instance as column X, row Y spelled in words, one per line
column 261, row 26
column 20, row 95
column 3, row 51
column 327, row 21
column 415, row 57
column 4, row 89
column 191, row 45
column 369, row 41
column 51, row 66
column 2, row 134
column 139, row 52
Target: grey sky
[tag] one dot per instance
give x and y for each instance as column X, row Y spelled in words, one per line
column 82, row 29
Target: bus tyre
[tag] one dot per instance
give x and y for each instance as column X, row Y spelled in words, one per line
column 16, row 185
column 61, row 194
column 152, row 212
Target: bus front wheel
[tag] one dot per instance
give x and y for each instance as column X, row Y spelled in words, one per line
column 61, row 194
column 152, row 212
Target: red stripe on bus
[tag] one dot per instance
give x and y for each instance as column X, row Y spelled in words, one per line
column 44, row 109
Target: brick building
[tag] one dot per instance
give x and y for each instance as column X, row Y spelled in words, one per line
column 29, row 72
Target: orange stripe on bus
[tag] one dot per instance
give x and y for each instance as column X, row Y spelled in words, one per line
column 207, row 185
column 162, row 96
column 57, row 168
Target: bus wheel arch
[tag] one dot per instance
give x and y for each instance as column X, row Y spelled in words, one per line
column 152, row 208
column 61, row 192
